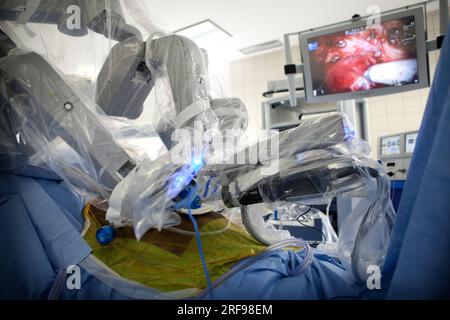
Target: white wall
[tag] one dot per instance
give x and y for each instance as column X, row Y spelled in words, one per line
column 387, row 114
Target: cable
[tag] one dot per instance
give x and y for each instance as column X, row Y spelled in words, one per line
column 305, row 225
column 280, row 226
column 314, row 228
column 200, row 251
column 309, row 209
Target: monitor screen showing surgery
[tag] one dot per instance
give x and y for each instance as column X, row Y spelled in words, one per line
column 390, row 146
column 410, row 142
column 364, row 58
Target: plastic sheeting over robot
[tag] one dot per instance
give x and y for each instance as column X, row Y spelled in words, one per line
column 84, row 96
column 316, row 161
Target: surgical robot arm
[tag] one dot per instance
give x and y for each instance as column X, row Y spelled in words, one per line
column 318, row 160
column 305, row 164
column 43, row 104
column 51, row 109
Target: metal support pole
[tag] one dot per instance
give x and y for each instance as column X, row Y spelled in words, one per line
column 443, row 16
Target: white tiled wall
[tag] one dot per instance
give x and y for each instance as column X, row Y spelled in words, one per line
column 387, row 114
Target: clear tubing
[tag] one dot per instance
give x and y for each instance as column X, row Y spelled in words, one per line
column 371, row 217
column 248, row 262
column 328, row 207
column 330, row 236
column 208, row 233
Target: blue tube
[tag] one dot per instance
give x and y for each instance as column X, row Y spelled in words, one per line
column 207, row 188
column 200, row 251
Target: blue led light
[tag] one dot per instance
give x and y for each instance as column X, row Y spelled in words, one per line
column 184, row 176
column 197, row 163
column 179, row 185
column 178, row 181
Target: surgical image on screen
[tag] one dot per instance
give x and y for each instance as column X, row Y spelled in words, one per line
column 410, row 142
column 368, row 57
column 390, row 146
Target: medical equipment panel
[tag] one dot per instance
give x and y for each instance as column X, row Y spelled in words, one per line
column 410, row 142
column 390, row 145
column 395, row 151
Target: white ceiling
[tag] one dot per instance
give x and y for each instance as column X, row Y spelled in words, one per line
column 256, row 21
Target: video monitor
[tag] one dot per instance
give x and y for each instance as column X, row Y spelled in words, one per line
column 390, row 146
column 362, row 59
column 410, row 142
